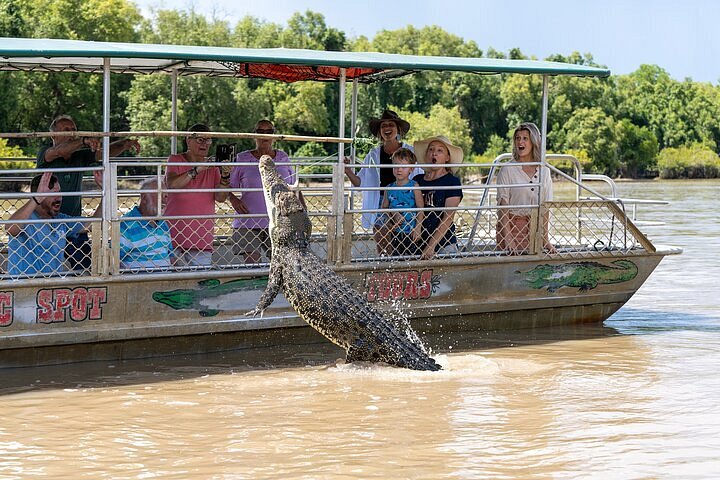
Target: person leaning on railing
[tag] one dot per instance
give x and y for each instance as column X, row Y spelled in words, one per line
column 438, row 234
column 38, row 248
column 513, row 229
column 193, row 237
column 73, row 152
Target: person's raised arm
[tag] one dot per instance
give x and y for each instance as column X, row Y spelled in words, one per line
column 24, row 212
column 64, row 150
column 181, row 179
column 385, row 201
column 224, row 183
column 119, row 146
column 350, row 172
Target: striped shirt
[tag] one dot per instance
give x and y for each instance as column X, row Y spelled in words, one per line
column 143, row 243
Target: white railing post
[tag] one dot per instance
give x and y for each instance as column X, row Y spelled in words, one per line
column 173, row 112
column 338, row 176
column 107, row 193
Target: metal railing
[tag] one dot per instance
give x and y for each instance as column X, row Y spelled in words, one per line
column 585, row 226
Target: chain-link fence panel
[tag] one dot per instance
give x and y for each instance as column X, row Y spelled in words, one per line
column 591, row 226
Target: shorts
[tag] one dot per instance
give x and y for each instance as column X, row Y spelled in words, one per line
column 249, row 240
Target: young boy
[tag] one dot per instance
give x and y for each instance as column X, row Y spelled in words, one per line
column 405, row 226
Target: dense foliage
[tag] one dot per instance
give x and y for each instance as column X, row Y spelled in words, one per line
column 639, row 125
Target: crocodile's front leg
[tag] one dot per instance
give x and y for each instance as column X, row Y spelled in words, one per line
column 271, row 291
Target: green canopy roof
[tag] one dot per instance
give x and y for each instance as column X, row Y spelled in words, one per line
column 52, row 55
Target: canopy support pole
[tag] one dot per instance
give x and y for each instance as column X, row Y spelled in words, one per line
column 543, row 128
column 338, row 178
column 353, row 127
column 108, row 198
column 541, row 213
column 173, row 112
column 353, row 117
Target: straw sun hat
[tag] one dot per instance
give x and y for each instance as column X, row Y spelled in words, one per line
column 456, row 153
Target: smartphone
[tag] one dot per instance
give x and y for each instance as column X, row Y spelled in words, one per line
column 225, row 153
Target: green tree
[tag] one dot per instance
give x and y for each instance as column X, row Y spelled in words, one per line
column 592, row 130
column 678, row 113
column 149, row 109
column 637, row 149
column 420, row 91
column 691, row 161
column 521, row 97
column 200, row 99
column 497, row 146
column 440, row 121
column 478, row 98
column 309, row 31
column 314, row 149
column 9, row 151
column 178, row 27
column 251, row 32
column 303, row 109
column 12, row 21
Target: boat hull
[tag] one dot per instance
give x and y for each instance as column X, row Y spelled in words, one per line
column 80, row 319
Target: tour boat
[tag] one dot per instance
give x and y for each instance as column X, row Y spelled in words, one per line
column 106, row 312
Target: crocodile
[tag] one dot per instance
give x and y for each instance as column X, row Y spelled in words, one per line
column 192, row 299
column 582, row 275
column 322, row 298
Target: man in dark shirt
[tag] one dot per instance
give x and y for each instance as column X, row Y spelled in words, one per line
column 73, row 152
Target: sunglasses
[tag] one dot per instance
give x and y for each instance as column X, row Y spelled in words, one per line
column 265, row 130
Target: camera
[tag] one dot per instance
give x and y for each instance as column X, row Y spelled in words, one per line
column 225, row 153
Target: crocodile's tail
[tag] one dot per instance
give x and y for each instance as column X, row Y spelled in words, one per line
column 422, row 362
column 412, row 355
column 393, row 348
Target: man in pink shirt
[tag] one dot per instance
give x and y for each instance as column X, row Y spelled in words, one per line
column 193, row 237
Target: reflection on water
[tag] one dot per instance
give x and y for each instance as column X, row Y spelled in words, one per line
column 633, row 398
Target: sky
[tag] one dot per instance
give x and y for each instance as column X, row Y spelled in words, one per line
column 680, row 36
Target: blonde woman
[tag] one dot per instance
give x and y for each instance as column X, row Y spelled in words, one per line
column 513, row 229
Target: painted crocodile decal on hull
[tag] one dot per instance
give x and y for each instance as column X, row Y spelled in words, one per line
column 581, row 275
column 191, row 299
column 322, row 298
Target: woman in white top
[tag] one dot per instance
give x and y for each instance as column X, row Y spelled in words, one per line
column 390, row 129
column 513, row 229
